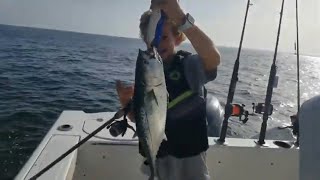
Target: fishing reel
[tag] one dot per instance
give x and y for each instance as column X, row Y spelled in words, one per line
column 239, row 111
column 260, row 108
column 294, row 125
column 119, row 127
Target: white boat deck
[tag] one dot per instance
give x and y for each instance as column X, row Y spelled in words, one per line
column 105, row 157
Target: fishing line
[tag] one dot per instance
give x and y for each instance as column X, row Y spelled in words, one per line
column 271, row 83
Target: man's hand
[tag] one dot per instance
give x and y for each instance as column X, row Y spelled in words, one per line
column 125, row 93
column 171, row 8
column 203, row 45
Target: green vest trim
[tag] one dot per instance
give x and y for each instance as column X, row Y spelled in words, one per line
column 180, row 98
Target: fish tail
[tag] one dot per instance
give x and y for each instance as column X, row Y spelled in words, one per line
column 152, row 171
column 151, row 177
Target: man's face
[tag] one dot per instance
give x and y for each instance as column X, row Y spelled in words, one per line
column 167, row 44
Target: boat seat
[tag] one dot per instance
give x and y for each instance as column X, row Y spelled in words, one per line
column 56, row 146
column 309, row 123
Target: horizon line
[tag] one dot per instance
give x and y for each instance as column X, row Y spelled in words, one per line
column 137, row 38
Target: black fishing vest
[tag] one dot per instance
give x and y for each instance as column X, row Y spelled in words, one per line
column 186, row 126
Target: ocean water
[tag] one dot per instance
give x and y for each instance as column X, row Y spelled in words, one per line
column 43, row 72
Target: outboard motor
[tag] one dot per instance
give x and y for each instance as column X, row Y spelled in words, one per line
column 215, row 114
column 309, row 132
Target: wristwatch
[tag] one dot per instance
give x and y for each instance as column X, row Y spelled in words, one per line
column 189, row 22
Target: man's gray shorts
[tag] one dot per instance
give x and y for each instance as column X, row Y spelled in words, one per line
column 171, row 168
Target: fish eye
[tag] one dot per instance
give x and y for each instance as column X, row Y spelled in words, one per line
column 145, row 62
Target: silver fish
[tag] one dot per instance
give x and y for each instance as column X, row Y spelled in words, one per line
column 150, row 105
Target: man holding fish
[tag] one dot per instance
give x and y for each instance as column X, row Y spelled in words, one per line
column 173, row 135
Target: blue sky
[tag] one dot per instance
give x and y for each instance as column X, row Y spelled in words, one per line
column 220, row 19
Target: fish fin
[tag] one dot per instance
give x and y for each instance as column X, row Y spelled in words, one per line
column 165, row 137
column 134, row 135
column 152, row 93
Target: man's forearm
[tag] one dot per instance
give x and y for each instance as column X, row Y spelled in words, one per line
column 200, row 41
column 204, row 47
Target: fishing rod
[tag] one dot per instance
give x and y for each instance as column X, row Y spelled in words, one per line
column 296, row 127
column 234, row 79
column 298, row 58
column 122, row 112
column 272, row 81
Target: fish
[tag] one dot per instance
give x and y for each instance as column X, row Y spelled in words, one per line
column 150, row 105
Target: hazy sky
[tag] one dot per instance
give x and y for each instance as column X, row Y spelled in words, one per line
column 220, row 19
